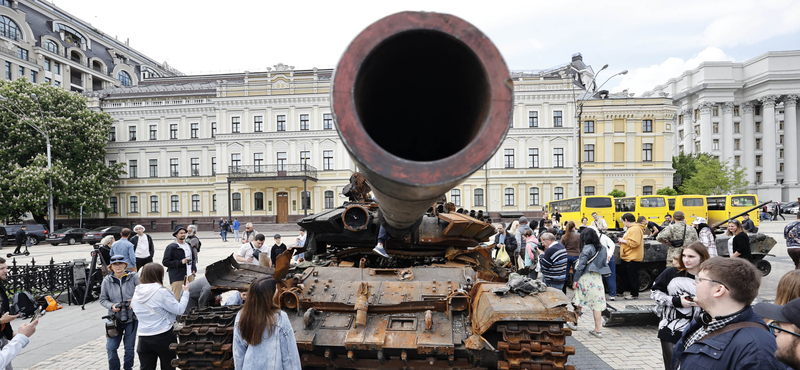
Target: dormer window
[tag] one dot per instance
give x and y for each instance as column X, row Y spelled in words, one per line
column 75, row 56
column 122, row 59
column 124, row 78
column 9, row 28
column 97, row 66
column 51, row 46
column 71, row 35
column 148, row 72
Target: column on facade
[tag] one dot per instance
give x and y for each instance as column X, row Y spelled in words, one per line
column 205, row 204
column 790, row 162
column 144, row 166
column 247, row 122
column 163, row 164
column 269, row 121
column 223, row 126
column 749, row 142
column 205, row 127
column 705, row 127
column 769, row 160
column 205, row 162
column 522, row 193
column 316, row 121
column 544, row 121
column 183, row 163
column 688, row 131
column 727, row 131
column 183, row 128
column 291, row 121
column 316, row 155
column 247, row 157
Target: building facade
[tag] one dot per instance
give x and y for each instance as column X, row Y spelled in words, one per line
column 744, row 113
column 47, row 45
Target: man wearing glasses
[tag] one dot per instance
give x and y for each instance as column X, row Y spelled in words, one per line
column 729, row 335
column 786, row 329
column 249, row 234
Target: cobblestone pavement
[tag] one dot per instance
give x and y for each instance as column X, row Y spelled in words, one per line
column 620, row 347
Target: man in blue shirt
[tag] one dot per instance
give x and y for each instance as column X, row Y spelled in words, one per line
column 236, row 229
column 553, row 261
column 124, row 248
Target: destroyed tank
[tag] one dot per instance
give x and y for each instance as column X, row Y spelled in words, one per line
column 438, row 301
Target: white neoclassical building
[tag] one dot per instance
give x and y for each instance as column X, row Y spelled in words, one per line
column 745, row 113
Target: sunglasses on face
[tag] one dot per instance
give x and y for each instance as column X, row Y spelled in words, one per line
column 774, row 328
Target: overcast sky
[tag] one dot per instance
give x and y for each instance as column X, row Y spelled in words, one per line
column 654, row 40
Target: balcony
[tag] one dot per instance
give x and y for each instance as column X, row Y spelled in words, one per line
column 272, row 172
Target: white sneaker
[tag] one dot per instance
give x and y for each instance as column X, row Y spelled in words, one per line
column 379, row 250
column 571, row 326
column 611, row 298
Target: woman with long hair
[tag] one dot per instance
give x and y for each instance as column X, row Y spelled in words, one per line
column 706, row 236
column 531, row 255
column 156, row 308
column 788, row 288
column 263, row 337
column 739, row 243
column 673, row 291
column 572, row 242
column 592, row 266
column 513, row 228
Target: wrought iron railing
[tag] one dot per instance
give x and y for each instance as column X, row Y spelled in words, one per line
column 273, row 170
column 40, row 280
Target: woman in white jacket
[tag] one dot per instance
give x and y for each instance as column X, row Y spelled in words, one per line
column 156, row 308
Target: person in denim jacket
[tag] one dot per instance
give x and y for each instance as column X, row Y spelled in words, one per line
column 263, row 337
column 588, row 279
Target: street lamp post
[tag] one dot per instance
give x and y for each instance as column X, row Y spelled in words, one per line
column 44, row 133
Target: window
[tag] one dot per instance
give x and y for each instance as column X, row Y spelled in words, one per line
column 697, row 130
column 303, row 122
column 112, row 203
column 736, row 111
column 33, row 77
column 737, row 160
column 697, row 147
column 647, row 190
column 758, row 143
column 213, row 166
column 112, row 163
column 195, row 130
column 680, row 119
column 214, row 202
column 195, row 166
column 51, row 46
column 588, row 190
column 680, row 134
column 647, row 125
column 758, row 177
column 780, row 153
column 715, row 128
column 780, row 139
column 173, row 167
column 455, row 197
column 533, row 157
column 21, row 71
column 134, row 204
column 195, row 203
column 131, row 133
column 153, row 225
column 173, row 131
column 9, row 28
column 258, row 123
column 508, row 158
column 327, row 121
column 327, row 160
column 213, row 129
column 558, row 157
column 715, row 144
column 588, row 127
column 174, row 204
column 533, row 119
column 328, row 199
column 281, row 161
column 780, row 168
column 533, row 196
column 57, row 66
column 557, row 119
column 757, row 110
column 477, row 196
column 736, row 127
column 696, row 113
column 305, row 156
column 258, row 162
column 236, row 201
column 133, row 169
column 647, row 152
column 780, row 125
column 715, row 111
column 258, row 201
column 154, row 168
column 281, row 123
column 8, row 71
column 508, row 197
column 758, row 126
column 236, row 124
column 558, row 193
column 236, row 160
column 22, row 53
column 758, row 160
column 153, row 203
column 62, row 209
column 124, row 78
column 588, row 152
column 112, row 134
column 153, row 132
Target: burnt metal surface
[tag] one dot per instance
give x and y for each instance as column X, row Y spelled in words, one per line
column 631, row 315
column 205, row 338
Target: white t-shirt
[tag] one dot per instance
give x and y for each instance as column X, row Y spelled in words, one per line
column 246, row 251
column 142, row 247
column 600, row 224
column 187, row 252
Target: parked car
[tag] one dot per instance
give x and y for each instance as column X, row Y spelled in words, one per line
column 69, row 236
column 793, row 210
column 786, row 207
column 3, row 236
column 36, row 233
column 96, row 235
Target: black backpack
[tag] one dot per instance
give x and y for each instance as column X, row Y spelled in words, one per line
column 22, row 303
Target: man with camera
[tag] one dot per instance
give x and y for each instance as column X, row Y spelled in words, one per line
column 180, row 261
column 252, row 252
column 116, row 292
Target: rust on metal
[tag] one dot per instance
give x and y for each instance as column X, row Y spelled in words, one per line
column 362, row 304
column 428, row 320
column 355, row 217
column 489, row 308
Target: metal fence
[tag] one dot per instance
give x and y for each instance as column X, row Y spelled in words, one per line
column 40, row 280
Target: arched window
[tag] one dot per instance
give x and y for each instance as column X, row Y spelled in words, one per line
column 51, row 46
column 124, row 78
column 534, row 195
column 236, row 202
column 455, row 197
column 76, row 56
column 97, row 65
column 9, row 28
column 258, row 199
column 328, row 199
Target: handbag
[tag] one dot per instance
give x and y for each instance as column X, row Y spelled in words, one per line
column 111, row 329
column 679, row 243
column 502, row 256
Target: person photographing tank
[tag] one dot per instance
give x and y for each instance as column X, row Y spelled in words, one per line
column 116, row 291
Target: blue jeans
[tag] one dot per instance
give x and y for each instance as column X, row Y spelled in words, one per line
column 224, row 234
column 558, row 284
column 570, row 264
column 127, row 334
column 236, row 235
column 611, row 280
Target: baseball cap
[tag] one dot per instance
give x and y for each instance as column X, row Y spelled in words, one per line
column 277, row 236
column 789, row 313
column 699, row 220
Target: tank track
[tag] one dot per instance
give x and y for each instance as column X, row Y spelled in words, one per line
column 205, row 340
column 531, row 346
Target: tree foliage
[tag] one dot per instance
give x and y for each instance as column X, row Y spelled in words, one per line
column 78, row 139
column 616, row 193
column 666, row 191
column 713, row 177
column 685, row 166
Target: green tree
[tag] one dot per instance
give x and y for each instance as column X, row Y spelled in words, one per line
column 667, row 191
column 78, row 138
column 714, row 177
column 685, row 166
column 617, row 193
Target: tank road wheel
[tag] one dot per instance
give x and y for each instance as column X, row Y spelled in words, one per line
column 764, row 266
column 645, row 281
column 205, row 338
column 526, row 345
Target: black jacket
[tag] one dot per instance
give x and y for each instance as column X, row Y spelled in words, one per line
column 511, row 243
column 135, row 241
column 19, row 237
column 172, row 261
column 276, row 251
column 7, row 331
column 741, row 244
column 749, row 226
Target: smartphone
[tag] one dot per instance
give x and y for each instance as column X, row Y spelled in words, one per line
column 38, row 313
column 690, row 298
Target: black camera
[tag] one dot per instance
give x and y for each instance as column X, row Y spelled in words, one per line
column 256, row 254
column 124, row 314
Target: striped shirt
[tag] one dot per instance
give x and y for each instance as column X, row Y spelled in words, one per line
column 554, row 262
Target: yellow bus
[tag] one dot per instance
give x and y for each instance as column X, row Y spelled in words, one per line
column 722, row 207
column 653, row 207
column 693, row 206
column 573, row 209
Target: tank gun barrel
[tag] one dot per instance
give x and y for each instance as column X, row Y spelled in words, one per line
column 422, row 101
